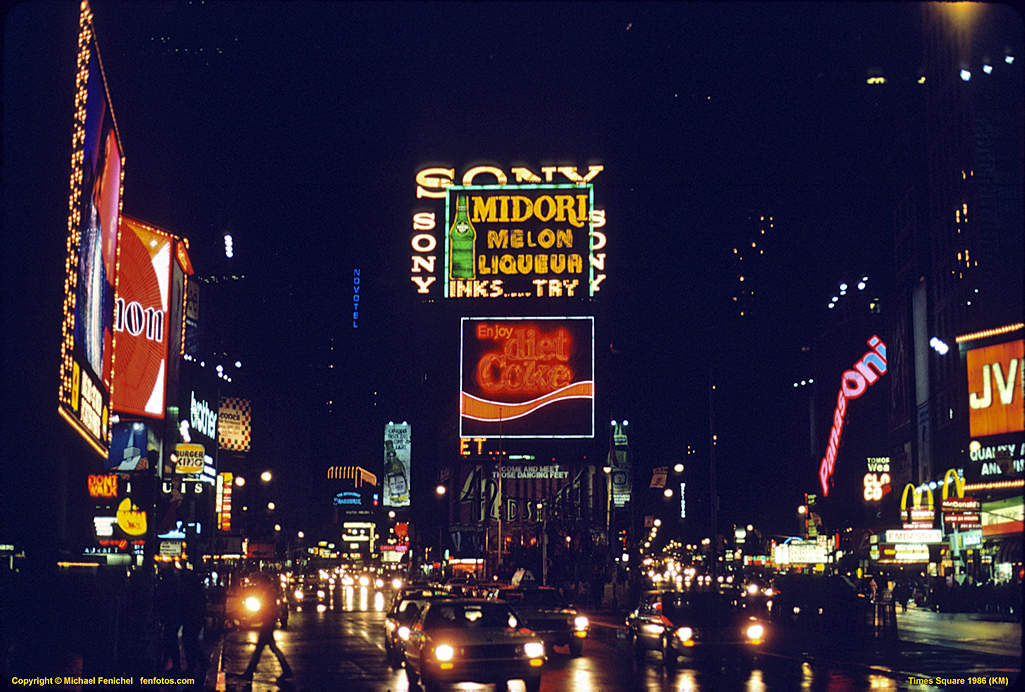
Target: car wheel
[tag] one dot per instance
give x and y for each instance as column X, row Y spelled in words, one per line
column 635, row 644
column 576, row 647
column 532, row 684
column 412, row 676
column 668, row 655
column 430, row 684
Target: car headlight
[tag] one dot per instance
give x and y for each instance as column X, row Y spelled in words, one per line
column 444, row 652
column 396, row 583
column 755, row 632
column 298, row 595
column 320, row 593
column 363, row 581
column 404, row 633
column 534, row 649
column 252, row 603
column 580, row 622
column 685, row 634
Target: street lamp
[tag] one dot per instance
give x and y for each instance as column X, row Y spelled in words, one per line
column 265, row 476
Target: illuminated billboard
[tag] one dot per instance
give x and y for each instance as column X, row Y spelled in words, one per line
column 996, row 386
column 518, row 241
column 526, row 377
column 397, row 448
column 87, row 348
column 519, row 234
column 141, row 310
column 130, row 446
column 235, row 424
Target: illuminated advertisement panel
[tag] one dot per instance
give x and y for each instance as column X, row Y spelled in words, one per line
column 523, row 233
column 87, row 345
column 526, row 377
column 141, row 319
column 996, row 386
column 397, row 448
column 518, row 241
column 119, row 524
column 235, row 424
column 130, row 446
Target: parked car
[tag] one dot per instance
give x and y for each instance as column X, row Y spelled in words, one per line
column 546, row 612
column 472, row 640
column 694, row 624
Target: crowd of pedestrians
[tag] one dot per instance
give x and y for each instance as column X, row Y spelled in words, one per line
column 950, row 594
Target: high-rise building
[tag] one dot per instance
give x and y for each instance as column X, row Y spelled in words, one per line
column 959, row 229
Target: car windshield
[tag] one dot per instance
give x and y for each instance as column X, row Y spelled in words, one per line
column 703, row 607
column 469, row 616
column 541, row 598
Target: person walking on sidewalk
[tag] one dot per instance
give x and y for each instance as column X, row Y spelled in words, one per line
column 193, row 615
column 268, row 620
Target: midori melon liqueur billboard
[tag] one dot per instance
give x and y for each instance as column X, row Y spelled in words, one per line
column 516, row 234
column 518, row 241
column 526, row 377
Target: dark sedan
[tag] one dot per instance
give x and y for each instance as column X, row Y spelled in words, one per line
column 696, row 624
column 472, row 640
column 546, row 611
column 403, row 611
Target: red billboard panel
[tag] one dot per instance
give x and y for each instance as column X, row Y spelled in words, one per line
column 141, row 319
column 996, row 386
column 527, row 377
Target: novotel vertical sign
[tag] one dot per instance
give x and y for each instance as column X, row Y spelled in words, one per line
column 527, row 377
column 853, row 383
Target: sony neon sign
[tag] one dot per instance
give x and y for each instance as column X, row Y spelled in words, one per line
column 506, row 257
column 853, row 383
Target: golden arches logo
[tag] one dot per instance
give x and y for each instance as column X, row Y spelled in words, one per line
column 959, row 483
column 916, row 494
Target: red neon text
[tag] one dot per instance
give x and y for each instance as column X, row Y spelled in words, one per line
column 102, row 486
column 853, row 384
column 525, row 362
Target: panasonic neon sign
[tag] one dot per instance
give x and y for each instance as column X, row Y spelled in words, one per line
column 853, row 383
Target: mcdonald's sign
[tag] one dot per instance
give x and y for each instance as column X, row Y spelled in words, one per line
column 917, row 516
column 959, row 511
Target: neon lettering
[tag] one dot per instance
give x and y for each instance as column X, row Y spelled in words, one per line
column 525, row 363
column 853, row 383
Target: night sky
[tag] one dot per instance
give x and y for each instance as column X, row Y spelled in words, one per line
column 299, row 128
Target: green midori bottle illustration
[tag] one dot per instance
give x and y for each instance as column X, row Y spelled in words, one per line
column 461, row 239
column 395, row 476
